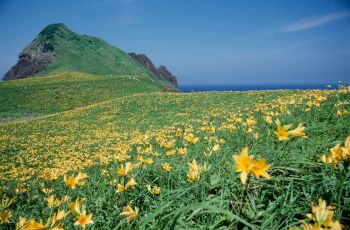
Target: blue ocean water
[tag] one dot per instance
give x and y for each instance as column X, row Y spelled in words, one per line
column 204, row 88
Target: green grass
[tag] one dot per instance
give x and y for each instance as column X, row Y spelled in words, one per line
column 94, row 139
column 88, row 54
column 61, row 91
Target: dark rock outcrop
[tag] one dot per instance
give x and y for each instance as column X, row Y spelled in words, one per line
column 145, row 61
column 33, row 59
column 161, row 73
column 165, row 73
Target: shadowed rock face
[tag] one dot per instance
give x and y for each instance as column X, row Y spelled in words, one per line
column 162, row 72
column 165, row 73
column 33, row 59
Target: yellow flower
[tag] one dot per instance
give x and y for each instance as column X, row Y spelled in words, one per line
column 182, row 151
column 283, row 133
column 194, row 166
column 83, row 220
column 336, row 153
column 123, row 171
column 154, row 191
column 194, row 171
column 52, row 201
column 80, row 213
column 216, row 148
column 170, row 152
column 104, row 172
column 346, row 148
column 22, row 222
column 168, row 144
column 166, row 166
column 5, row 216
column 33, row 225
column 190, row 138
column 342, row 112
column 322, row 215
column 149, row 161
column 244, row 164
column 259, row 168
column 82, row 176
column 250, row 121
column 60, row 215
column 131, row 183
column 73, row 181
column 146, row 161
column 268, row 119
column 328, row 160
column 130, row 213
column 75, row 207
column 120, row 188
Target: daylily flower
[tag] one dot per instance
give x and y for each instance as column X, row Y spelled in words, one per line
column 84, row 219
column 53, row 223
column 259, row 168
column 246, row 165
column 337, row 154
column 190, row 138
column 322, row 217
column 73, row 181
column 130, row 213
column 283, row 133
column 120, row 188
column 79, row 212
column 75, row 207
column 5, row 216
column 346, row 148
column 182, row 151
column 32, row 224
column 194, row 171
column 131, row 183
column 154, row 191
column 166, row 166
column 268, row 119
column 170, row 152
column 123, row 171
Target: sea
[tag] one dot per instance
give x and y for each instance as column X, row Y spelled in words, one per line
column 205, row 88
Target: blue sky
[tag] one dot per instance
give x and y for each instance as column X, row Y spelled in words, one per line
column 202, row 41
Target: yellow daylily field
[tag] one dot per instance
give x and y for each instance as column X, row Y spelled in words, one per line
column 216, row 160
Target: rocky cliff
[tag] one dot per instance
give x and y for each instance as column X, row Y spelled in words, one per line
column 33, row 59
column 161, row 72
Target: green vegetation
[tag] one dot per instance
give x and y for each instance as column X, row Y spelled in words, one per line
column 61, row 91
column 87, row 54
column 147, row 130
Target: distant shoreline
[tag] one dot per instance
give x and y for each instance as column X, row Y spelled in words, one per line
column 204, row 88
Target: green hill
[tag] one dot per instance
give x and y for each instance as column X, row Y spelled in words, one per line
column 87, row 54
column 57, row 48
column 61, row 91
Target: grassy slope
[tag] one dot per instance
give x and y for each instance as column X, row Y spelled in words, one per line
column 61, row 91
column 88, row 54
column 81, row 53
column 92, row 139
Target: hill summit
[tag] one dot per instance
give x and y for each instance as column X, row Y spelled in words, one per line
column 57, row 48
